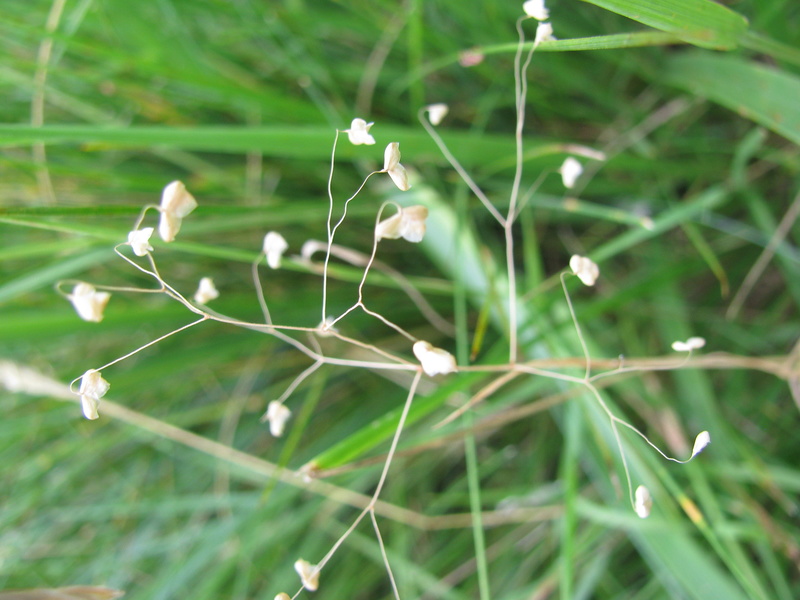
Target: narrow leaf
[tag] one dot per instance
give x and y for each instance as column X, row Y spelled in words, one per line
column 758, row 92
column 700, row 22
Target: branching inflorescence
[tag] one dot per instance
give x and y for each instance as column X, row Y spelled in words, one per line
column 402, row 222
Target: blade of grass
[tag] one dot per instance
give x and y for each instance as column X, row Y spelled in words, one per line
column 300, row 142
column 758, row 92
column 687, row 210
column 700, row 22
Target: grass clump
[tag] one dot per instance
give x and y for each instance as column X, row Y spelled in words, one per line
column 686, row 201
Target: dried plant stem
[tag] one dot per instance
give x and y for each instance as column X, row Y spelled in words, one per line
column 359, row 259
column 37, row 101
column 262, row 301
column 577, row 326
column 295, row 383
column 764, row 258
column 465, row 176
column 382, row 546
column 370, row 507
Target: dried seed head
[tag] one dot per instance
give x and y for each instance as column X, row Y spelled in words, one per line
column 309, row 574
column 643, row 502
column 359, row 133
column 702, row 440
column 139, row 240
column 408, row 223
column 206, row 291
column 277, row 415
column 544, row 33
column 434, row 361
column 274, row 247
column 586, row 270
column 88, row 302
column 436, row 112
column 392, row 166
column 570, row 170
column 176, row 203
column 92, row 388
column 693, row 343
column 536, row 9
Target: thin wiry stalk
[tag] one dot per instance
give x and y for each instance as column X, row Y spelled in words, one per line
column 382, row 546
column 392, row 449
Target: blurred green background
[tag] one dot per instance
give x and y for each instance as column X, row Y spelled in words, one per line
column 697, row 110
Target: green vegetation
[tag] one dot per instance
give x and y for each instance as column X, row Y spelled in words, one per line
column 178, row 490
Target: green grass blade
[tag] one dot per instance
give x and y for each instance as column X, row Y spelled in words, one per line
column 764, row 94
column 766, row 45
column 700, row 22
column 673, row 217
column 300, row 142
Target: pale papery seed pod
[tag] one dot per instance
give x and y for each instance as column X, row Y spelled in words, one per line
column 309, row 574
column 92, row 388
column 570, row 170
column 206, row 291
column 693, row 343
column 176, row 203
column 176, row 199
column 392, row 166
column 586, row 270
column 277, row 415
column 436, row 112
column 139, row 240
column 702, row 440
column 434, row 361
column 544, row 33
column 536, row 9
column 359, row 133
column 274, row 246
column 643, row 502
column 88, row 302
column 408, row 223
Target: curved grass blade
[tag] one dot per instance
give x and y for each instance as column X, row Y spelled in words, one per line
column 699, row 22
column 760, row 93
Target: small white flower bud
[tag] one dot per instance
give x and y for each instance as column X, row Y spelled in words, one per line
column 176, row 203
column 436, row 112
column 92, row 388
column 359, row 133
column 536, row 9
column 408, row 223
column 643, row 502
column 206, row 291
column 277, row 415
column 274, row 247
column 392, row 166
column 702, row 440
column 139, row 240
column 586, row 270
column 309, row 574
column 693, row 343
column 434, row 361
column 88, row 302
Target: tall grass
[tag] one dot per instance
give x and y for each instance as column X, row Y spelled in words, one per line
column 178, row 490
